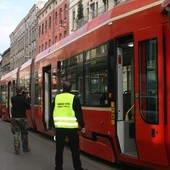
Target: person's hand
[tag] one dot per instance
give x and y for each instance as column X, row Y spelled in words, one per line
column 54, row 138
column 83, row 131
column 27, row 96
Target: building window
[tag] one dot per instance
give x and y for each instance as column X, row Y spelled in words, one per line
column 39, row 49
column 46, row 26
column 60, row 15
column 42, row 28
column 49, row 22
column 65, row 33
column 39, row 31
column 49, row 42
column 60, row 37
column 42, row 47
column 92, row 7
column 97, row 9
column 45, row 45
column 55, row 39
column 74, row 20
column 65, row 11
column 56, row 18
column 88, row 13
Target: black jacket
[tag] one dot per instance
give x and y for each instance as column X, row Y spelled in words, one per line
column 19, row 106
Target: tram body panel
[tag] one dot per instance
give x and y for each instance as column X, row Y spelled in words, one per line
column 150, row 116
column 102, row 118
column 99, row 134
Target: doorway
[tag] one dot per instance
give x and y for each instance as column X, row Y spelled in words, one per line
column 47, row 94
column 125, row 96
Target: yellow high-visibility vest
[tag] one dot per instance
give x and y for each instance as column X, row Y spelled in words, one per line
column 63, row 114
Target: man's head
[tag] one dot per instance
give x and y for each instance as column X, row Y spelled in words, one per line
column 19, row 90
column 66, row 86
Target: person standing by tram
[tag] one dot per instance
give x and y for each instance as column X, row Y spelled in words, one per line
column 67, row 118
column 19, row 125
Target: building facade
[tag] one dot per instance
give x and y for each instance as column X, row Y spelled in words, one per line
column 5, row 62
column 82, row 11
column 23, row 40
column 52, row 23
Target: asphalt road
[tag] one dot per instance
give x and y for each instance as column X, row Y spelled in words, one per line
column 42, row 154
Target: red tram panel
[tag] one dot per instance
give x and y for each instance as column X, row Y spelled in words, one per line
column 125, row 104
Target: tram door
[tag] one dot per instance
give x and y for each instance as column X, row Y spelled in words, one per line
column 125, row 96
column 47, row 94
column 149, row 95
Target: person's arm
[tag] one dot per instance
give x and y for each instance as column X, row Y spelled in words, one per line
column 28, row 102
column 51, row 121
column 12, row 100
column 78, row 112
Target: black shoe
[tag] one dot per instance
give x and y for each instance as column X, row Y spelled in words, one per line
column 26, row 150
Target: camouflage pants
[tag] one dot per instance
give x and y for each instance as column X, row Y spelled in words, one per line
column 19, row 128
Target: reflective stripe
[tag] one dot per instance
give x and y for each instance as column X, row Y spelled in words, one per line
column 65, row 118
column 64, row 124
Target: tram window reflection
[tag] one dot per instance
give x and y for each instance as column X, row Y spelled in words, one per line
column 96, row 83
column 3, row 94
column 148, row 80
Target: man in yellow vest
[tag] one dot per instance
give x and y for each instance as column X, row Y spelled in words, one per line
column 67, row 118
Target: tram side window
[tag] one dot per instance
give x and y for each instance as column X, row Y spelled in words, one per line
column 25, row 83
column 63, row 73
column 148, row 80
column 3, row 94
column 72, row 71
column 96, row 80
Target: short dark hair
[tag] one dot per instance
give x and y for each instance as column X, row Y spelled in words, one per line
column 66, row 86
column 19, row 89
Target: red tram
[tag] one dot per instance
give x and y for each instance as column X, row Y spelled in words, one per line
column 118, row 66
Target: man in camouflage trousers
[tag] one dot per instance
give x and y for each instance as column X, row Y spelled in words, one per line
column 19, row 125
